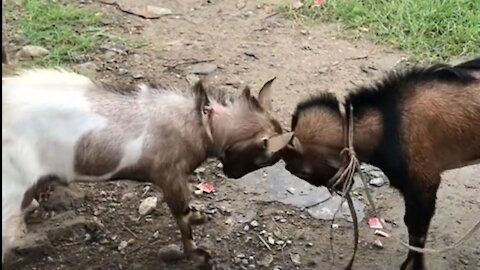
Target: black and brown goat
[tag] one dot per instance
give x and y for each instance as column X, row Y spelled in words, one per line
column 413, row 125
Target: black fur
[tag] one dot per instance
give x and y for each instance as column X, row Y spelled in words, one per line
column 386, row 96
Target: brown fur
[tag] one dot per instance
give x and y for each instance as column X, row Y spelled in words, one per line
column 438, row 130
column 180, row 131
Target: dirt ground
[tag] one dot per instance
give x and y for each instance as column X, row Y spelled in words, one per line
column 248, row 43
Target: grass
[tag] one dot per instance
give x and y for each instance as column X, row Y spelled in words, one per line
column 433, row 30
column 66, row 30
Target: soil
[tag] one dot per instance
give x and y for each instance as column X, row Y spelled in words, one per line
column 248, row 42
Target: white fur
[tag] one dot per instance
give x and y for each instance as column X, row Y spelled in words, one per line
column 45, row 114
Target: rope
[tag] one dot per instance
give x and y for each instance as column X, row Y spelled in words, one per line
column 344, row 177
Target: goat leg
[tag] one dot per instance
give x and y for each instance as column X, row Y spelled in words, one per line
column 177, row 197
column 419, row 210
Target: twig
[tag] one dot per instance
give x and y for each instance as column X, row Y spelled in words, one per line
column 318, row 203
column 264, row 242
column 357, row 57
column 187, row 62
column 128, row 230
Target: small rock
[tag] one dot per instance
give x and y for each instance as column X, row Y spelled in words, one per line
column 304, row 32
column 323, row 70
column 310, row 244
column 464, row 261
column 251, row 266
column 276, row 267
column 280, row 242
column 122, row 245
column 32, row 51
column 122, row 71
column 192, row 79
column 377, row 182
column 250, row 52
column 109, row 56
column 378, row 244
column 246, row 228
column 298, row 5
column 240, row 255
column 244, row 261
column 128, row 196
column 254, row 223
column 295, row 257
column 271, row 241
column 170, row 253
column 266, row 261
column 203, row 68
column 137, row 76
column 283, row 220
column 156, row 234
column 147, row 205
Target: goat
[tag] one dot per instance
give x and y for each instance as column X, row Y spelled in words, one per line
column 413, row 125
column 63, row 126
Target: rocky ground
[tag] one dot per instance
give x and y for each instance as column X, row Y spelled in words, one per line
column 255, row 223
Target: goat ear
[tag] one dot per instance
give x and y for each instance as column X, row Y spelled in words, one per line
column 251, row 99
column 278, row 142
column 295, row 144
column 201, row 98
column 265, row 95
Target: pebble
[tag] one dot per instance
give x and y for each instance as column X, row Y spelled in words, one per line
column 32, row 51
column 310, row 244
column 246, row 228
column 137, row 76
column 171, row 252
column 464, row 261
column 378, row 244
column 251, row 266
column 377, row 182
column 122, row 71
column 266, row 261
column 240, row 255
column 110, row 56
column 147, row 205
column 295, row 257
column 122, row 245
column 254, row 223
column 271, row 241
column 244, row 261
column 156, row 234
column 128, row 196
column 192, row 79
column 203, row 68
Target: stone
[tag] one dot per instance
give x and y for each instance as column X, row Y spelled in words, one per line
column 295, row 257
column 31, row 51
column 203, row 68
column 171, row 252
column 122, row 71
column 147, row 205
column 266, row 260
column 63, row 198
column 377, row 182
column 192, row 79
column 122, row 245
column 87, row 68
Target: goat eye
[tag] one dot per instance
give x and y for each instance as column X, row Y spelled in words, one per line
column 265, row 143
